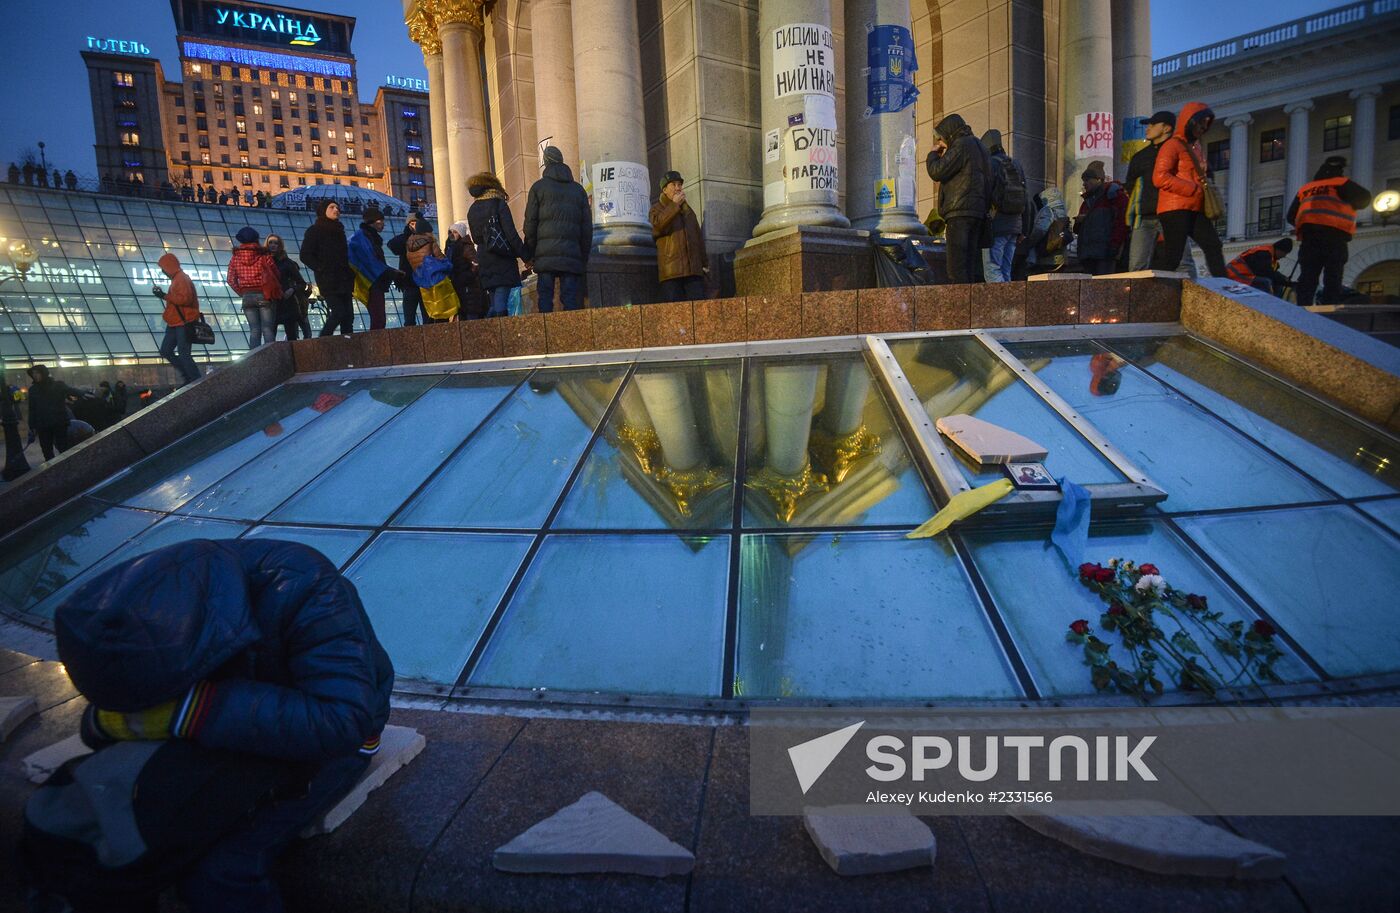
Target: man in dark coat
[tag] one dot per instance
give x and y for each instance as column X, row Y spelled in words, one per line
column 48, row 409
column 680, row 248
column 256, row 646
column 326, row 252
column 1323, row 213
column 962, row 169
column 1142, row 193
column 412, row 295
column 15, row 463
column 558, row 233
column 498, row 244
column 1101, row 225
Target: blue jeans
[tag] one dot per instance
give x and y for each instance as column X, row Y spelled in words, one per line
column 175, row 348
column 262, row 319
column 500, row 300
column 1002, row 254
column 570, row 291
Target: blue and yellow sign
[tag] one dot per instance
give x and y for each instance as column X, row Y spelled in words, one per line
column 890, row 56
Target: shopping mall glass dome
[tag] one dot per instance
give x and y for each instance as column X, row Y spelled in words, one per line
column 350, row 198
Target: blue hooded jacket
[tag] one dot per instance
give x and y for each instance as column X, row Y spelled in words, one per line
column 295, row 668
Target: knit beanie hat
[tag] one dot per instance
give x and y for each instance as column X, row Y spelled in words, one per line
column 246, row 235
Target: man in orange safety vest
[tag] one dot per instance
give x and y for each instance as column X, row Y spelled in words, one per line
column 1324, row 215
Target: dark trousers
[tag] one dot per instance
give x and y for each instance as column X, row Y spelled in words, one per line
column 412, row 304
column 1179, row 225
column 570, row 291
column 175, row 348
column 1325, row 258
column 375, row 304
column 1099, row 266
column 964, row 249
column 685, row 288
column 340, row 314
column 49, row 438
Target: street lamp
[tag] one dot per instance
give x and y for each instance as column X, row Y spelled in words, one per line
column 1385, row 204
column 22, row 255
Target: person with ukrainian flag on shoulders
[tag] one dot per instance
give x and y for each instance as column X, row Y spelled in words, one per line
column 372, row 273
column 432, row 272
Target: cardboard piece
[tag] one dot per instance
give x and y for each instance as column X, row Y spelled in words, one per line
column 989, row 444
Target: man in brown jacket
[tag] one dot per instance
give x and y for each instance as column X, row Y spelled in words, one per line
column 680, row 251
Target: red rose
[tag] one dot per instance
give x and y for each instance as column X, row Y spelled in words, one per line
column 1263, row 628
column 1117, row 609
column 1196, row 602
column 1103, row 575
column 1086, row 571
column 1149, row 569
column 1079, row 626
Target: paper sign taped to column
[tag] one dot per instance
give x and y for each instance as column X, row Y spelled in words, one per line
column 819, row 111
column 810, row 160
column 1093, row 135
column 804, row 60
column 905, row 160
column 774, row 194
column 771, row 149
column 884, row 194
column 621, row 192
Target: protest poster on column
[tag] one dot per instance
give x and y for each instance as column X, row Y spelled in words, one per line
column 889, row 84
column 804, row 60
column 1093, row 135
column 621, row 192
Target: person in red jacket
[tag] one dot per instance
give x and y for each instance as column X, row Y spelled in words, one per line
column 252, row 273
column 1179, row 175
column 181, row 309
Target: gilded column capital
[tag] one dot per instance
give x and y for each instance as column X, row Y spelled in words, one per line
column 447, row 12
column 422, row 31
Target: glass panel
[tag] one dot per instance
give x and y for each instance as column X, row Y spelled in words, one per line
column 430, row 595
column 1387, row 511
column 1326, row 575
column 171, row 477
column 642, row 614
column 167, row 532
column 1344, row 455
column 383, row 471
column 666, row 459
column 863, row 615
column 336, row 544
column 1039, row 596
column 60, row 547
column 823, row 449
column 955, row 375
column 1200, row 462
column 269, row 479
column 510, row 474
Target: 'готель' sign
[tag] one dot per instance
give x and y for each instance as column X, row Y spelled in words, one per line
column 115, row 46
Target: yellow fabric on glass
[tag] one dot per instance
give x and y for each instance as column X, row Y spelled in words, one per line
column 962, row 506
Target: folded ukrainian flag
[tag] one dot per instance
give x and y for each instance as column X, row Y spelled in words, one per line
column 366, row 266
column 434, row 278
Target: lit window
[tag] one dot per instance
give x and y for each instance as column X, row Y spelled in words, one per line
column 131, row 138
column 196, row 68
column 350, row 151
column 257, row 108
column 123, row 79
column 218, row 90
column 1271, row 145
column 276, row 94
column 315, row 148
column 330, row 134
column 243, row 160
column 292, row 96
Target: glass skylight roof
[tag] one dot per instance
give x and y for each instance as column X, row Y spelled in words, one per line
column 732, row 526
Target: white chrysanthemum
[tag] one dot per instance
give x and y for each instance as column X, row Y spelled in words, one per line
column 1152, row 582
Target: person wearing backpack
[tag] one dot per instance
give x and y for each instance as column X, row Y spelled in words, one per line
column 1010, row 213
column 498, row 244
column 253, row 275
column 1101, row 226
column 236, row 690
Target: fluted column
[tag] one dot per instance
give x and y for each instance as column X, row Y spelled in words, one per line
column 556, row 106
column 1363, row 141
column 423, row 31
column 611, row 126
column 1132, row 68
column 1086, row 83
column 797, row 104
column 1297, row 147
column 667, row 398
column 459, row 29
column 879, row 146
column 1237, row 211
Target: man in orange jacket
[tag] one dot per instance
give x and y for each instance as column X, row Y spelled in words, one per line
column 1258, row 266
column 181, row 309
column 1324, row 215
column 1179, row 174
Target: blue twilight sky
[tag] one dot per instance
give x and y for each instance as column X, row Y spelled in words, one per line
column 46, row 98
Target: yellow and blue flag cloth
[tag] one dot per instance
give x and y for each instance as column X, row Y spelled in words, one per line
column 366, row 266
column 962, row 506
column 434, row 279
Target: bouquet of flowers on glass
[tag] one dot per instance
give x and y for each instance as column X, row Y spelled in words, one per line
column 1139, row 601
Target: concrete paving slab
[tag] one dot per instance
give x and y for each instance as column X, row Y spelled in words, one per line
column 40, row 765
column 46, row 682
column 1170, row 843
column 594, row 834
column 853, row 843
column 1336, row 864
column 10, row 660
column 397, row 746
column 15, row 710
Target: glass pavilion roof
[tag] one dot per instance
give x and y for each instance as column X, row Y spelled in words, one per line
column 732, row 526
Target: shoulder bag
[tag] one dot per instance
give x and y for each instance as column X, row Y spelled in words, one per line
column 1212, row 203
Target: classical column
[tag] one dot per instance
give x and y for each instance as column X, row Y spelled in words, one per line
column 797, row 104
column 1132, row 67
column 789, row 392
column 1086, row 91
column 1297, row 154
column 880, row 150
column 423, row 30
column 552, row 44
column 1363, row 141
column 611, row 127
column 667, row 398
column 459, row 28
column 1241, row 154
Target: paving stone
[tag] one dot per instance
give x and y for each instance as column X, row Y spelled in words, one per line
column 853, row 843
column 595, row 834
column 39, row 766
column 397, row 746
column 46, row 682
column 15, row 710
column 1340, row 864
column 1172, row 844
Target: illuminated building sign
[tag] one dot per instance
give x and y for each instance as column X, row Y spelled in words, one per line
column 115, row 46
column 267, row 60
column 297, row 31
column 406, row 82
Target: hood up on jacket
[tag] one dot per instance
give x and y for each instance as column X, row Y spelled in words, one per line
column 991, row 141
column 952, row 127
column 558, row 171
column 144, row 631
column 169, row 264
column 1190, row 112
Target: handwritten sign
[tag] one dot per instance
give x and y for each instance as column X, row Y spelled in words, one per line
column 804, row 60
column 1093, row 135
